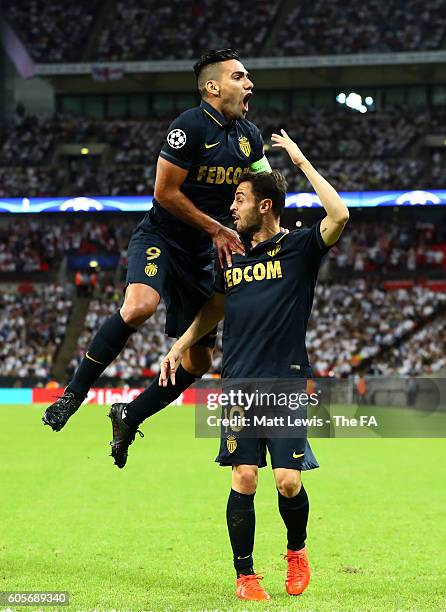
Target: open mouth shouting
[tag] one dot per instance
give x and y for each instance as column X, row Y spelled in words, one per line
column 245, row 101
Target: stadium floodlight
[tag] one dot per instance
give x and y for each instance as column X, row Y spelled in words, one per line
column 369, row 100
column 353, row 101
column 85, row 151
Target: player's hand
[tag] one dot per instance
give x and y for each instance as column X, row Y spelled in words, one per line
column 226, row 242
column 169, row 366
column 283, row 141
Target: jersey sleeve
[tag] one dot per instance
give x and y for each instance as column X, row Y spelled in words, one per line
column 309, row 241
column 183, row 140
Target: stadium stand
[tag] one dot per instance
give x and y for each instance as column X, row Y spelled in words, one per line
column 134, row 30
column 381, row 150
column 404, row 246
column 34, row 323
column 39, row 244
column 150, row 30
column 423, row 354
column 355, row 318
column 52, row 31
column 326, row 28
column 353, row 322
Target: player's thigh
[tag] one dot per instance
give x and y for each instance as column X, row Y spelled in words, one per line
column 288, row 482
column 244, row 478
column 148, row 266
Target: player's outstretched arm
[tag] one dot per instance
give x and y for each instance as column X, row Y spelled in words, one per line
column 169, row 179
column 211, row 313
column 337, row 212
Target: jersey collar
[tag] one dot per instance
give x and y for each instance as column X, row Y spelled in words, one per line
column 266, row 243
column 212, row 113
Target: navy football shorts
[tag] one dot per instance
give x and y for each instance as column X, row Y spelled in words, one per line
column 291, row 453
column 184, row 280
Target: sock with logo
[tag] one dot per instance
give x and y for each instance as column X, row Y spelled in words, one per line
column 104, row 348
column 294, row 512
column 155, row 398
column 241, row 521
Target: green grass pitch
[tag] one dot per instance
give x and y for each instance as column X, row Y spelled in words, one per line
column 153, row 536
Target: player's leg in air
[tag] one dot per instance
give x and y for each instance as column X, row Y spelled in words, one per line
column 189, row 283
column 241, row 521
column 294, row 508
column 142, row 297
column 140, row 303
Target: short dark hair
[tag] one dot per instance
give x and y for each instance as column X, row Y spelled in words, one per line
column 214, row 57
column 268, row 185
column 210, row 58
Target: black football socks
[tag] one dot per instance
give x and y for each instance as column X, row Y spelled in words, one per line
column 155, row 398
column 104, row 348
column 294, row 512
column 241, row 520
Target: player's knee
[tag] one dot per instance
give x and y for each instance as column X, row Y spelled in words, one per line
column 289, row 484
column 244, row 479
column 197, row 360
column 135, row 314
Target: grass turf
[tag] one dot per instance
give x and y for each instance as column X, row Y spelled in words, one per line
column 153, row 536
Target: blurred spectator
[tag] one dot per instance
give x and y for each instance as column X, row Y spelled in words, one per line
column 32, row 328
column 37, row 245
column 136, row 30
column 354, row 151
column 423, row 354
column 353, row 321
column 327, row 28
column 53, row 31
column 153, row 31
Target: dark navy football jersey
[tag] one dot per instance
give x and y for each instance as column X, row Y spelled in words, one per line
column 268, row 298
column 215, row 153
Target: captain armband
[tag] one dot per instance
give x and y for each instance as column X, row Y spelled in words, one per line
column 261, row 166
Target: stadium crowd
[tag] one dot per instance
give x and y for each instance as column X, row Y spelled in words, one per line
column 350, row 322
column 32, row 327
column 354, row 321
column 183, row 28
column 327, row 28
column 36, row 245
column 424, row 353
column 136, row 30
column 402, row 245
column 354, row 151
column 52, row 31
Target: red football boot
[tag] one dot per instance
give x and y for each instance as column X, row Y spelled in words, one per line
column 298, row 571
column 248, row 587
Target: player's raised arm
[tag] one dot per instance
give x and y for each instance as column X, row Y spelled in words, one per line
column 169, row 178
column 211, row 313
column 337, row 212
